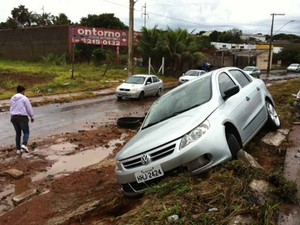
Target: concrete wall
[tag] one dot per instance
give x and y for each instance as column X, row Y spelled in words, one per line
column 33, row 43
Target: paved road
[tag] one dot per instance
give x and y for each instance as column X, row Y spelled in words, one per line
column 70, row 117
column 290, row 214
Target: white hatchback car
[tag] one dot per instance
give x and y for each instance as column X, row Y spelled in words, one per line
column 139, row 86
column 197, row 125
column 190, row 75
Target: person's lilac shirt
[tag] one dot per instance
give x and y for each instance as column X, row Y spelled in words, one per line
column 20, row 105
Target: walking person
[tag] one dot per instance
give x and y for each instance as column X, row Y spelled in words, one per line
column 20, row 110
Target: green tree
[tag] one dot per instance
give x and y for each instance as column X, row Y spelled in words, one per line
column 176, row 42
column 150, row 45
column 231, row 36
column 20, row 17
column 180, row 48
column 61, row 19
column 214, row 36
column 289, row 54
column 106, row 20
column 42, row 20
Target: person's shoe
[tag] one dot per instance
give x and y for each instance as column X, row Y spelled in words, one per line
column 24, row 147
column 18, row 152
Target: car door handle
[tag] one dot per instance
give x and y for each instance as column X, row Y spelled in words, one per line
column 247, row 98
column 258, row 88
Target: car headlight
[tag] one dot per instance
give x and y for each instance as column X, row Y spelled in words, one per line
column 134, row 89
column 195, row 134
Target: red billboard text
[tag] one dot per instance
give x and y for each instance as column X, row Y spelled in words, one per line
column 98, row 36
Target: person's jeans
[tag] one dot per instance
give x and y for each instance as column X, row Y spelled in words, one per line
column 21, row 126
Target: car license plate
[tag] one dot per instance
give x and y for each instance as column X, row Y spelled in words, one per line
column 149, row 174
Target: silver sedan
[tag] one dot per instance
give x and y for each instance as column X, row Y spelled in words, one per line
column 139, row 86
column 197, row 125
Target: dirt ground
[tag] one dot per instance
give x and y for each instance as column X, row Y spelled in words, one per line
column 88, row 196
column 57, row 199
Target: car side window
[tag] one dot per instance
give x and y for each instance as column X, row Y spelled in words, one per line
column 242, row 78
column 155, row 79
column 149, row 80
column 225, row 82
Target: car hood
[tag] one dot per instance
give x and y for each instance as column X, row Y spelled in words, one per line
column 187, row 77
column 166, row 131
column 129, row 86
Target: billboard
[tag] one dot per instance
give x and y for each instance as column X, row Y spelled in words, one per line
column 98, row 36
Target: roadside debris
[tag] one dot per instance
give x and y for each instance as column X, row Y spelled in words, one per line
column 275, row 138
column 13, row 173
column 248, row 159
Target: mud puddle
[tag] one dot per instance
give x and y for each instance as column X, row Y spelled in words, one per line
column 65, row 162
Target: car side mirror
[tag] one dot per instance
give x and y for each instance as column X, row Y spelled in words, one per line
column 231, row 91
column 148, row 83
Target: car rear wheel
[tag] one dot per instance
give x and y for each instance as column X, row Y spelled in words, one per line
column 233, row 145
column 273, row 118
column 142, row 95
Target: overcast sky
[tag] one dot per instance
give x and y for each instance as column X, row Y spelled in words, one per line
column 251, row 16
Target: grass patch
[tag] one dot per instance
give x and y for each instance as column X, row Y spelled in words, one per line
column 41, row 78
column 214, row 199
column 282, row 95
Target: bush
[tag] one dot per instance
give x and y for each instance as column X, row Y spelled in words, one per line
column 55, row 59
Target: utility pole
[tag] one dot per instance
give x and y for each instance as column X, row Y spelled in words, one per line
column 270, row 42
column 144, row 13
column 130, row 37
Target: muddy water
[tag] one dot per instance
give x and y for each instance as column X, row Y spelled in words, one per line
column 64, row 162
column 69, row 163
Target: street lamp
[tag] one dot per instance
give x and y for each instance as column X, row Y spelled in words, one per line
column 270, row 43
column 291, row 21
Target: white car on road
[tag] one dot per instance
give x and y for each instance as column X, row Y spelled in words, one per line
column 139, row 86
column 294, row 67
column 190, row 75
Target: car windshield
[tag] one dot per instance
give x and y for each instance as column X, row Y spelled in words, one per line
column 135, row 80
column 191, row 73
column 294, row 65
column 180, row 100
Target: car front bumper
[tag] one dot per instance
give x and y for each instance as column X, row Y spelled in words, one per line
column 128, row 94
column 197, row 157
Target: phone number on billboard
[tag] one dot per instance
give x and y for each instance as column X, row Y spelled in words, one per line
column 100, row 42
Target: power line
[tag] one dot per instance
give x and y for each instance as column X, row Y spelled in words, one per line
column 155, row 14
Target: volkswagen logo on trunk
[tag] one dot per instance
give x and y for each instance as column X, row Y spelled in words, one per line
column 145, row 159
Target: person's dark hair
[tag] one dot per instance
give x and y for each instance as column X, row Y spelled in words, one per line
column 20, row 89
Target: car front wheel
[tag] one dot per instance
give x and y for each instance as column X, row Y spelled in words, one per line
column 142, row 95
column 233, row 145
column 273, row 118
column 158, row 93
